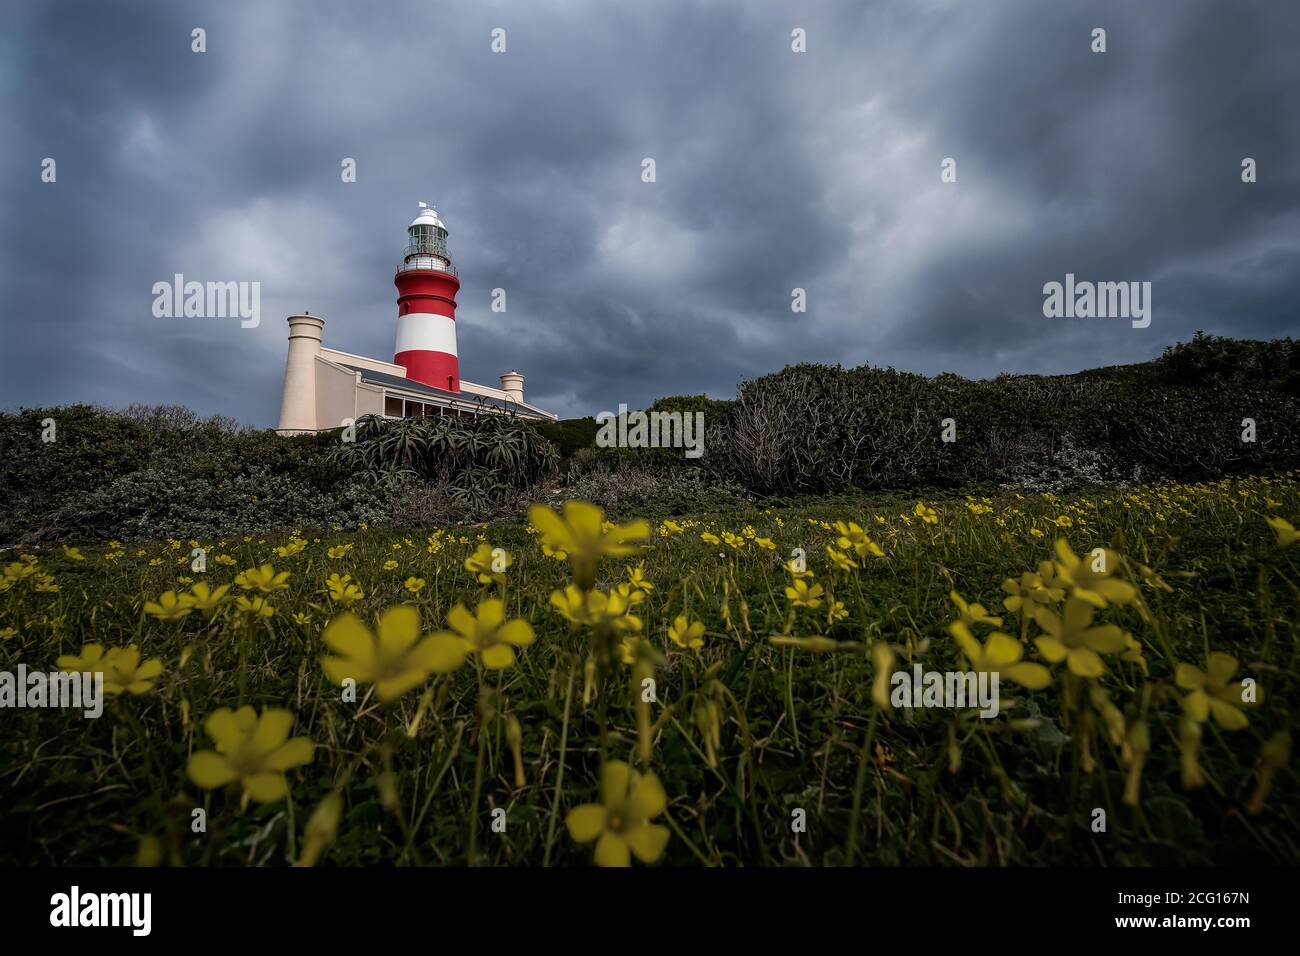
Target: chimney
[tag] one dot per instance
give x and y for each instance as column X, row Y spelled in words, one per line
column 298, row 411
column 512, row 383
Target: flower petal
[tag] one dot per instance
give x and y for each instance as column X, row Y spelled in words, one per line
column 1227, row 716
column 648, row 798
column 612, row 850
column 1052, row 649
column 517, row 632
column 266, row 787
column 614, row 777
column 209, row 770
column 1029, row 675
column 497, row 656
column 1220, row 667
column 293, row 753
column 347, row 635
column 586, row 822
column 1002, row 649
column 647, row 841
column 1085, row 662
column 440, row 653
column 399, row 628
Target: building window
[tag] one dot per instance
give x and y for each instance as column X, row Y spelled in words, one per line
column 392, row 406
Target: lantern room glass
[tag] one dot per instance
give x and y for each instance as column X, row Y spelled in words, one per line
column 427, row 240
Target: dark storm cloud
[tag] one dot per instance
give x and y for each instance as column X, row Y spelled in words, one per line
column 775, row 171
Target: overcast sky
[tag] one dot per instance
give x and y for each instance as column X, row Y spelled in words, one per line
column 775, row 170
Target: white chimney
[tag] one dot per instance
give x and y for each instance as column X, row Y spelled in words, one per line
column 298, row 411
column 512, row 383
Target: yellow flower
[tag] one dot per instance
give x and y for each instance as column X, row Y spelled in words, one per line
column 1211, row 694
column 1031, row 588
column 927, row 515
column 1000, row 654
column 1064, row 521
column 1090, row 579
column 413, row 584
column 339, row 551
column 1286, row 534
column 637, row 579
column 973, row 613
column 486, row 632
column 8, row 633
column 390, row 565
column 630, row 647
column 206, row 599
column 394, row 660
column 263, row 579
column 256, row 606
column 224, row 559
column 801, row 595
column 597, row 609
column 631, row 595
column 686, row 635
column 733, row 541
column 255, row 750
column 170, row 606
column 73, row 554
column 342, row 590
column 620, row 823
column 301, row 619
column 483, row 563
column 840, row 559
column 852, row 536
column 1072, row 638
column 585, row 537
column 121, row 667
column 294, row 546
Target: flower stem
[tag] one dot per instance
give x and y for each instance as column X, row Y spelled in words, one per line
column 858, row 785
column 559, row 773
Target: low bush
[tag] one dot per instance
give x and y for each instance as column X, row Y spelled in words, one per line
column 811, row 428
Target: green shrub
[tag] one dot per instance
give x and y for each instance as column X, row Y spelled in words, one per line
column 153, row 472
column 810, row 429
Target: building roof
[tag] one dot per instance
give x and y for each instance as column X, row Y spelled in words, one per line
column 464, row 398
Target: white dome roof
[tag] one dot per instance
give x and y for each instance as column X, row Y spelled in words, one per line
column 427, row 217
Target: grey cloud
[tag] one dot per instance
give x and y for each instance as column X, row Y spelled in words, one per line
column 775, row 170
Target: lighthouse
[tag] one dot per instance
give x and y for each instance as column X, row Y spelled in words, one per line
column 426, row 305
column 327, row 388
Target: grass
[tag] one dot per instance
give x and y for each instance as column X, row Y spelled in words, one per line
column 743, row 735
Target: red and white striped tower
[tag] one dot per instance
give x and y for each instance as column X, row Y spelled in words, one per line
column 426, row 305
